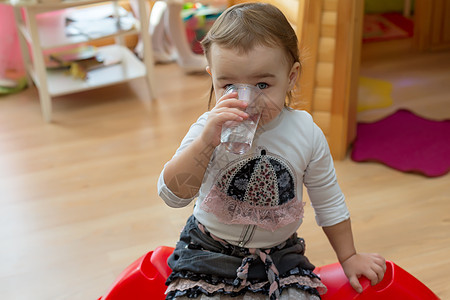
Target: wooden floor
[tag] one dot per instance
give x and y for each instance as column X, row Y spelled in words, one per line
column 78, row 199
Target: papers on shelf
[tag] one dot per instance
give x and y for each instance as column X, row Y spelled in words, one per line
column 80, row 60
column 98, row 21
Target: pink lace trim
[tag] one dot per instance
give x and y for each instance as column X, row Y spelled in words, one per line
column 181, row 284
column 231, row 211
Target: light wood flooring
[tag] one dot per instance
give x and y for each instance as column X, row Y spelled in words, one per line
column 78, row 199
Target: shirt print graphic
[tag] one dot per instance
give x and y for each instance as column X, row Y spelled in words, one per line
column 255, row 190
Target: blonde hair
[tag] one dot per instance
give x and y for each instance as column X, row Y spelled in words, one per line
column 246, row 25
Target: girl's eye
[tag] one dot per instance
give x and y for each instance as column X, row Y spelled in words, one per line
column 262, row 85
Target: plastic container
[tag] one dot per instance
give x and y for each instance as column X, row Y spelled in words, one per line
column 145, row 279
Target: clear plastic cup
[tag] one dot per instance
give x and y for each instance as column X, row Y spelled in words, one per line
column 237, row 137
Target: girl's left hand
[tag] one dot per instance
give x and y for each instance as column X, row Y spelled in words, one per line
column 370, row 265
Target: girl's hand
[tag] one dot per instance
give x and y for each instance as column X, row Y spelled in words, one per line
column 227, row 108
column 370, row 265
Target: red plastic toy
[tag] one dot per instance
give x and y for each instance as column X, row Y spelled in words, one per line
column 145, row 278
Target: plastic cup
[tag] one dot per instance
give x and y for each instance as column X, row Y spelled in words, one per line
column 237, row 137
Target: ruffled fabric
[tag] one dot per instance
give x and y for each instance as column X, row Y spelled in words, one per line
column 231, row 211
column 288, row 294
column 193, row 289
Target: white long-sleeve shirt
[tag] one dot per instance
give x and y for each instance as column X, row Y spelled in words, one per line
column 254, row 200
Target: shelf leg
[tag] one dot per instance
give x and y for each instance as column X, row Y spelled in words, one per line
column 148, row 50
column 39, row 65
column 118, row 39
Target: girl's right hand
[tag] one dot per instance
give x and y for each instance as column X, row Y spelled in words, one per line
column 227, row 108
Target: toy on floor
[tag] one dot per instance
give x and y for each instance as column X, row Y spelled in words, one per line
column 198, row 20
column 147, row 275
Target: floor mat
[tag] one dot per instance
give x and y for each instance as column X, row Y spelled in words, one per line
column 406, row 142
column 387, row 26
column 374, row 93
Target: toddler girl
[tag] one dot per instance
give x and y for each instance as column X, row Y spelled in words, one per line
column 241, row 241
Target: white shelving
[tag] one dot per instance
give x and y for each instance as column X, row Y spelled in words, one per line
column 43, row 29
column 52, row 30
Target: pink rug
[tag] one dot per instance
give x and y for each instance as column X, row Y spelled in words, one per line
column 406, row 142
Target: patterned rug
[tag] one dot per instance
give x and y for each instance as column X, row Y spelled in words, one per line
column 406, row 142
column 387, row 26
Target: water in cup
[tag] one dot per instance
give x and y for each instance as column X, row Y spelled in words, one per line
column 237, row 137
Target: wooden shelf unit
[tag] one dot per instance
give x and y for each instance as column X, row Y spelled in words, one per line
column 42, row 28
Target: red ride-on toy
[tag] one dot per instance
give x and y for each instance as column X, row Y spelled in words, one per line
column 145, row 278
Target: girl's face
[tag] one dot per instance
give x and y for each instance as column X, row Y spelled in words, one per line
column 264, row 67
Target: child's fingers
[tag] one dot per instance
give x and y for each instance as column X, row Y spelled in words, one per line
column 377, row 257
column 382, row 262
column 354, row 282
column 220, row 117
column 380, row 270
column 231, row 103
column 374, row 274
column 227, row 96
column 230, row 100
column 230, row 115
column 228, row 112
column 379, row 266
column 373, row 277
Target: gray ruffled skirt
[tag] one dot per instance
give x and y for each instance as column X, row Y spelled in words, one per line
column 206, row 267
